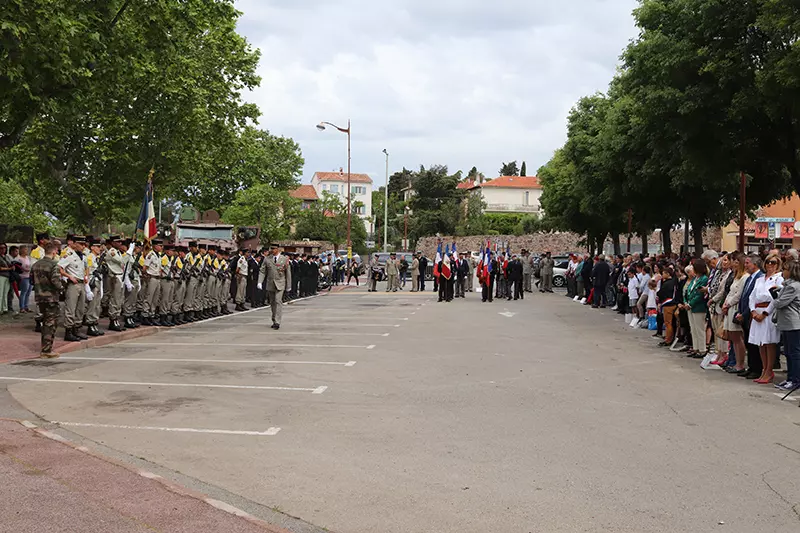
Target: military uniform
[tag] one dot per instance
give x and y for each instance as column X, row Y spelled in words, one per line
column 152, row 286
column 224, row 289
column 94, row 271
column 191, row 279
column 117, row 270
column 37, row 254
column 180, row 287
column 133, row 289
column 73, row 268
column 275, row 275
column 391, row 274
column 166, row 287
column 47, row 278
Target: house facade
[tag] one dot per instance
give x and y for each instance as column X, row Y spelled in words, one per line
column 511, row 194
column 360, row 190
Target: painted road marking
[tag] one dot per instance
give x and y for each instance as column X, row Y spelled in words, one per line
column 268, row 433
column 231, row 361
column 306, row 333
column 246, row 345
column 198, row 385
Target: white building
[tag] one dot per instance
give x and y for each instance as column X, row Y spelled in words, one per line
column 360, row 190
column 510, row 194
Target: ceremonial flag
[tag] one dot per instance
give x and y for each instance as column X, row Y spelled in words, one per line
column 455, row 254
column 445, row 271
column 437, row 260
column 147, row 214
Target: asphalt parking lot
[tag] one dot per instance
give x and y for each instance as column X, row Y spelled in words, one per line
column 391, row 412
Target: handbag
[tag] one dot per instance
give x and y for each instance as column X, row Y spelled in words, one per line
column 723, row 334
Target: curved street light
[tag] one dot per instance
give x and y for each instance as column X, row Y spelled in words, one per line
column 321, row 127
column 386, row 206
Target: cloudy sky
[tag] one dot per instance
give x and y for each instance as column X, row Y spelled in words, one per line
column 457, row 82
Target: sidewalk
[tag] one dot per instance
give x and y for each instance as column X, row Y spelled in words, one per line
column 21, row 342
column 55, row 487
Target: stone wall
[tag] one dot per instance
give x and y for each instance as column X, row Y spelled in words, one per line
column 561, row 243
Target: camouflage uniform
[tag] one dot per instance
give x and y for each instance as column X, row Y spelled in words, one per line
column 47, row 278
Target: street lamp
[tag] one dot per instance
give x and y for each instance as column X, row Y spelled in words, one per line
column 386, row 206
column 321, row 127
column 405, row 231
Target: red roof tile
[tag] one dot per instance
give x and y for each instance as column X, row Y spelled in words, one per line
column 515, row 182
column 466, row 185
column 304, row 192
column 342, row 176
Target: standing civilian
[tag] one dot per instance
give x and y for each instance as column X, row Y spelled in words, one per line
column 601, row 274
column 787, row 309
column 754, row 369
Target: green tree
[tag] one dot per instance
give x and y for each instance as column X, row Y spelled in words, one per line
column 164, row 91
column 399, row 181
column 509, row 169
column 265, row 206
column 437, row 203
column 523, row 171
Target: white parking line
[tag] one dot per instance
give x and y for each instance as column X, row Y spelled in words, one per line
column 142, row 384
column 215, row 361
column 306, row 333
column 246, row 345
column 268, row 433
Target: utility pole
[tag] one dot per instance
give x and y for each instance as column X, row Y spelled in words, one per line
column 742, row 209
column 386, row 206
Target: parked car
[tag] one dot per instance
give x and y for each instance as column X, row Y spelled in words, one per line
column 559, row 270
column 383, row 256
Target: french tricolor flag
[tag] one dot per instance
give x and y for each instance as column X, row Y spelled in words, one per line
column 147, row 214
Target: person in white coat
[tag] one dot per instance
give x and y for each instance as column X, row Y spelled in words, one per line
column 763, row 331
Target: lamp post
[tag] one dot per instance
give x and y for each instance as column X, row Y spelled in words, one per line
column 386, row 206
column 405, row 230
column 321, row 127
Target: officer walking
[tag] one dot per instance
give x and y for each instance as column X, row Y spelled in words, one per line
column 47, row 278
column 42, row 240
column 373, row 274
column 73, row 268
column 274, row 276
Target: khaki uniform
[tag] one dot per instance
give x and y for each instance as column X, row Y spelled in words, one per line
column 75, row 297
column 224, row 284
column 277, row 274
column 180, row 286
column 391, row 274
column 152, row 283
column 134, row 294
column 116, row 269
column 241, row 280
column 35, row 255
column 190, row 290
column 93, row 307
column 415, row 275
column 167, row 286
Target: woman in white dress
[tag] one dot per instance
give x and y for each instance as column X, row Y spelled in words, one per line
column 731, row 307
column 763, row 332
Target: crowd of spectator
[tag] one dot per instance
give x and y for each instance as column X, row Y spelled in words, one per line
column 15, row 272
column 737, row 312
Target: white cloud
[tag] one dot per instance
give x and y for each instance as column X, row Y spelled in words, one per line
column 455, row 82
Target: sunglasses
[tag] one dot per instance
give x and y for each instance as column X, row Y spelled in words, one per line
column 773, row 262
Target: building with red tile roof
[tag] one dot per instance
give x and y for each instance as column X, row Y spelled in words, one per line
column 360, row 191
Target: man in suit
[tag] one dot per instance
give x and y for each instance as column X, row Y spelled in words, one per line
column 515, row 278
column 487, row 283
column 275, row 275
column 601, row 274
column 752, row 265
column 423, row 269
column 462, row 272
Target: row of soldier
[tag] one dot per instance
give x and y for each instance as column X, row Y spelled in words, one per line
column 138, row 284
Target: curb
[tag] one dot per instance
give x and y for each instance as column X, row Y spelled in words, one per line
column 167, row 484
column 144, row 331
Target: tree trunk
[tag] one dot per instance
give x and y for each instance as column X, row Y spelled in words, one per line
column 666, row 238
column 698, row 222
column 645, row 245
column 617, row 246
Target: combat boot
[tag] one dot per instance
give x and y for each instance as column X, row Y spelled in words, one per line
column 69, row 335
column 155, row 320
column 94, row 331
column 77, row 333
column 179, row 319
column 146, row 321
column 38, row 327
column 166, row 320
column 132, row 323
column 114, row 325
